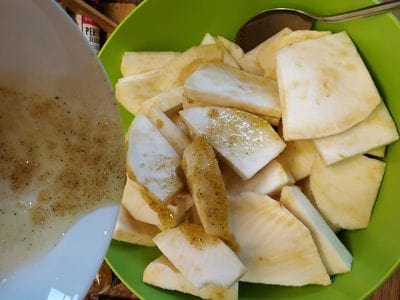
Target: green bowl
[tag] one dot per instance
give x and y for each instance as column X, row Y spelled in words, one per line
column 180, row 24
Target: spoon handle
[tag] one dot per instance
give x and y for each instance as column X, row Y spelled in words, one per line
column 362, row 12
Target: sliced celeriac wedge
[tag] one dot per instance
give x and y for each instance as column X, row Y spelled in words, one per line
column 177, row 120
column 208, row 39
column 207, row 188
column 162, row 273
column 135, row 89
column 269, row 180
column 275, row 246
column 174, row 136
column 145, row 207
column 151, row 159
column 189, row 103
column 227, row 57
column 272, row 120
column 298, row 158
column 345, row 192
column 304, row 184
column 179, row 68
column 377, row 152
column 378, row 129
column 135, row 62
column 222, row 85
column 324, row 86
column 136, row 204
column 336, row 258
column 249, row 61
column 168, row 102
column 245, row 141
column 201, row 258
column 129, row 230
column 266, row 56
column 234, row 50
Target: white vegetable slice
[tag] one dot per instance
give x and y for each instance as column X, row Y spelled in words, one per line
column 306, row 189
column 345, row 192
column 129, row 230
column 249, row 61
column 175, row 137
column 269, row 180
column 168, row 102
column 136, row 204
column 275, row 247
column 189, row 103
column 324, row 86
column 227, row 57
column 179, row 68
column 207, row 188
column 234, row 50
column 298, row 158
column 266, row 56
column 376, row 130
column 143, row 206
column 245, row 141
column 377, row 152
column 201, row 258
column 208, row 39
column 135, row 62
column 152, row 160
column 176, row 118
column 222, row 85
column 133, row 90
column 162, row 273
column 336, row 258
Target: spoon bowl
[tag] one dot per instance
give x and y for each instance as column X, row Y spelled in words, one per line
column 268, row 22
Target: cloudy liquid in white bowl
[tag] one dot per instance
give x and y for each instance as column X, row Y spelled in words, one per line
column 57, row 163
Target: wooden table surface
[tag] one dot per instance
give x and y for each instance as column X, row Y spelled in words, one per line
column 390, row 290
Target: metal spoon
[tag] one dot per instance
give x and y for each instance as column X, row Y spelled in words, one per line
column 269, row 22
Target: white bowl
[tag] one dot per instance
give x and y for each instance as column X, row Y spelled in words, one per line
column 43, row 51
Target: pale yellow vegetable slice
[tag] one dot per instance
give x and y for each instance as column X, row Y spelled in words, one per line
column 207, row 188
column 336, row 258
column 189, row 103
column 306, row 189
column 162, row 273
column 168, row 102
column 144, row 207
column 298, row 158
column 221, row 85
column 377, row 130
column 174, row 136
column 135, row 62
column 129, row 230
column 324, row 86
column 249, row 61
column 179, row 68
column 378, row 152
column 245, row 141
column 269, row 180
column 135, row 203
column 345, row 192
column 134, row 90
column 275, row 246
column 266, row 56
column 201, row 258
column 152, row 160
column 208, row 39
column 176, row 118
column 234, row 50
